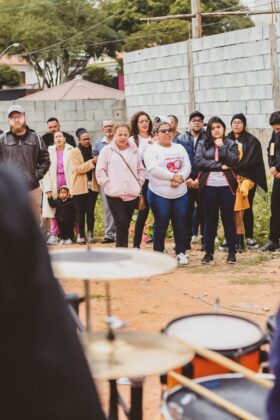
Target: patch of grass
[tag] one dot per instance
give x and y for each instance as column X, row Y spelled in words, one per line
column 247, row 281
column 97, row 296
column 143, row 312
column 254, row 260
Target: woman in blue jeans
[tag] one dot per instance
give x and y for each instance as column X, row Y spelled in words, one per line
column 168, row 166
column 215, row 156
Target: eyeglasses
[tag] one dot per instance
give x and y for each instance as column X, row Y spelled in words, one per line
column 108, row 126
column 16, row 117
column 198, row 120
column 165, row 130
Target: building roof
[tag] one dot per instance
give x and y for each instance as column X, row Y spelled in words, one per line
column 14, row 60
column 75, row 89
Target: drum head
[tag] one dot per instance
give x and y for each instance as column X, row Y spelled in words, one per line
column 219, row 332
column 233, row 387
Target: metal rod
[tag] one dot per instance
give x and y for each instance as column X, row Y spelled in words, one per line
column 110, row 334
column 113, row 410
column 76, row 319
column 136, row 392
column 87, row 302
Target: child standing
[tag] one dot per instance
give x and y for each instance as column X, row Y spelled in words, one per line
column 65, row 214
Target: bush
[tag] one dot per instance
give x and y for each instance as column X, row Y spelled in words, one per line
column 98, row 74
column 8, row 76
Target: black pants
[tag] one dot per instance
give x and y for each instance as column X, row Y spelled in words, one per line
column 194, row 197
column 248, row 218
column 85, row 204
column 141, row 218
column 274, row 234
column 66, row 230
column 122, row 212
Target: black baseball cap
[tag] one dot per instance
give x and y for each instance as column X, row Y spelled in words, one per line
column 196, row 114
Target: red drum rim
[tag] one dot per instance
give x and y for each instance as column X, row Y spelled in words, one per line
column 234, row 352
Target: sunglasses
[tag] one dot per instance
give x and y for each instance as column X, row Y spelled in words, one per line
column 165, row 130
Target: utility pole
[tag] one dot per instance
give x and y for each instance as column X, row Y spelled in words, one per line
column 196, row 21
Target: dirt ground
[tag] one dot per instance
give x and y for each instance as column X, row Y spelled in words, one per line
column 251, row 289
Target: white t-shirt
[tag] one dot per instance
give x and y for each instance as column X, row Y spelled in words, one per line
column 144, row 143
column 162, row 163
column 217, row 179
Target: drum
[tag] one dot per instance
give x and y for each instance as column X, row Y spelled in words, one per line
column 231, row 336
column 179, row 403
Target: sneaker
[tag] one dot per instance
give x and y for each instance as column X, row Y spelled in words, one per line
column 108, row 241
column 269, row 246
column 223, row 246
column 61, row 242
column 90, row 239
column 240, row 246
column 252, row 244
column 182, row 259
column 81, row 241
column 53, row 240
column 231, row 259
column 68, row 241
column 207, row 258
column 194, row 239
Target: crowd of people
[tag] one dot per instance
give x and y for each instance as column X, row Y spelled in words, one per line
column 188, row 179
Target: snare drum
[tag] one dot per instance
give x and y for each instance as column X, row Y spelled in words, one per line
column 232, row 336
column 179, row 403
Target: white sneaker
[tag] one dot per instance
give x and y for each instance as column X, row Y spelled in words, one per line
column 68, row 242
column 62, row 242
column 194, row 239
column 53, row 240
column 182, row 259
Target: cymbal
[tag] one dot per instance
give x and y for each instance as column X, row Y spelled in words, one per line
column 133, row 354
column 109, row 264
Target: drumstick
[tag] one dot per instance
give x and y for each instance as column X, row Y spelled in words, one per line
column 214, row 398
column 230, row 364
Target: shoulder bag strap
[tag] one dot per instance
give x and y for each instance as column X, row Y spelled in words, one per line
column 128, row 167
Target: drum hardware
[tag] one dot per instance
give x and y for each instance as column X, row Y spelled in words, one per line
column 103, row 264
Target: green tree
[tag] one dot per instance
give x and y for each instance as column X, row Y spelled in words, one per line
column 139, row 34
column 98, row 74
column 58, row 37
column 8, row 76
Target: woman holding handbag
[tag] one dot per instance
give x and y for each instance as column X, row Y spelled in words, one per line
column 169, row 166
column 121, row 173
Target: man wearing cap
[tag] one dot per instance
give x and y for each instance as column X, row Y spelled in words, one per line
column 190, row 141
column 24, row 150
column 53, row 127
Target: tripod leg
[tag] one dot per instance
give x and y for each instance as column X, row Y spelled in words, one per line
column 113, row 411
column 136, row 412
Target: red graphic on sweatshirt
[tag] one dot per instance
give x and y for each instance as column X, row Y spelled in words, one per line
column 174, row 166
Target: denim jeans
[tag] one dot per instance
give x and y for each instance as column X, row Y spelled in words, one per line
column 213, row 200
column 141, row 218
column 164, row 211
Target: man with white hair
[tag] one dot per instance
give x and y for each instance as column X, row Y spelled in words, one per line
column 109, row 224
column 24, row 150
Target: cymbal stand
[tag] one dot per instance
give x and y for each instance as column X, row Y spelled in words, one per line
column 136, row 399
column 87, row 303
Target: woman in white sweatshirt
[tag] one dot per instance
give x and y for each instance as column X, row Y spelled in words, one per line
column 169, row 167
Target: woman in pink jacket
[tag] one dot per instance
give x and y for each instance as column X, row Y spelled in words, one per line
column 121, row 173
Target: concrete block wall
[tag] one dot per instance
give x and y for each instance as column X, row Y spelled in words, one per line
column 88, row 114
column 222, row 74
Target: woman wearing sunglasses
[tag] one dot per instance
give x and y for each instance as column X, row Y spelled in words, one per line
column 168, row 166
column 215, row 156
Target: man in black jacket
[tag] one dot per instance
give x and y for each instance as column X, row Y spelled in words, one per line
column 274, row 164
column 44, row 374
column 190, row 140
column 24, row 150
column 53, row 127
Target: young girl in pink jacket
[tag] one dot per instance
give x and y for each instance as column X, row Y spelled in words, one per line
column 121, row 173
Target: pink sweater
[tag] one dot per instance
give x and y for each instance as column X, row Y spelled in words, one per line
column 114, row 176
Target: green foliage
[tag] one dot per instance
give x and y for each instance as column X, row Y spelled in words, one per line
column 261, row 215
column 98, row 74
column 8, row 76
column 77, row 29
